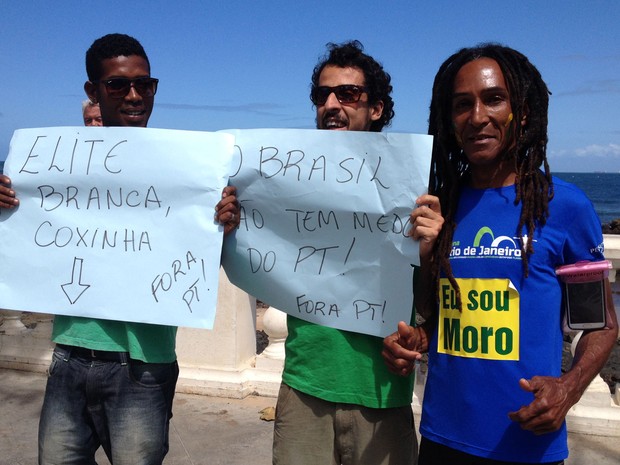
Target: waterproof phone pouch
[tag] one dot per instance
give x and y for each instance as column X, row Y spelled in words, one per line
column 584, row 299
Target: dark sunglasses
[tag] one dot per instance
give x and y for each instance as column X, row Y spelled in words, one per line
column 119, row 87
column 345, row 94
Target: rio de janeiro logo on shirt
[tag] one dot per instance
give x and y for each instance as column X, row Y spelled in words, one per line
column 486, row 245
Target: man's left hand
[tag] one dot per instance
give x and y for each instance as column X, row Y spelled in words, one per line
column 546, row 413
column 227, row 209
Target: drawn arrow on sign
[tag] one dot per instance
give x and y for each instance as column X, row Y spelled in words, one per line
column 74, row 290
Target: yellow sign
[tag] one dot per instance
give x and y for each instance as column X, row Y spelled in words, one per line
column 488, row 325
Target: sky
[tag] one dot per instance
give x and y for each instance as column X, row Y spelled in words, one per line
column 248, row 63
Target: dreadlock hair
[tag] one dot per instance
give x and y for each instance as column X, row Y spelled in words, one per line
column 450, row 169
column 351, row 54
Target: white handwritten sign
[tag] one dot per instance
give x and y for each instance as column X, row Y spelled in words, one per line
column 324, row 222
column 115, row 223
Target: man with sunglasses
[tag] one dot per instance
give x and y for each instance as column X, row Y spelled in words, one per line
column 111, row 383
column 338, row 403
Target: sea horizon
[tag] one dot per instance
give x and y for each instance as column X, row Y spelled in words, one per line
column 601, row 187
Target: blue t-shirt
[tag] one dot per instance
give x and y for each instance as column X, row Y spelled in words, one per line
column 510, row 325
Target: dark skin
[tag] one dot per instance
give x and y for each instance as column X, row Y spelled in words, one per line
column 553, row 397
column 132, row 110
column 227, row 210
column 481, row 115
column 7, row 194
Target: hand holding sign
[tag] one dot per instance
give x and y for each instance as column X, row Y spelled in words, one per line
column 325, row 221
column 115, row 223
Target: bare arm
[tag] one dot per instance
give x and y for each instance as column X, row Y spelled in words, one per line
column 553, row 397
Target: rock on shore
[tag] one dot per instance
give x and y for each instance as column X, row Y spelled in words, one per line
column 613, row 227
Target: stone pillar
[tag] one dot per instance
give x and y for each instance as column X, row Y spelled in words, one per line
column 612, row 253
column 213, row 362
column 25, row 347
column 267, row 373
column 10, row 322
column 274, row 322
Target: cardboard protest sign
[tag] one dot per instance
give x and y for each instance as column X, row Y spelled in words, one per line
column 324, row 223
column 115, row 223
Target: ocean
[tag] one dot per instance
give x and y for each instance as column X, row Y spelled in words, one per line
column 603, row 189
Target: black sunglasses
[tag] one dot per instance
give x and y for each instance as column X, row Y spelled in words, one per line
column 119, row 87
column 345, row 94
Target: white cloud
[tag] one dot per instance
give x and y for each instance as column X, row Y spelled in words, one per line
column 596, row 150
column 592, row 158
column 593, row 150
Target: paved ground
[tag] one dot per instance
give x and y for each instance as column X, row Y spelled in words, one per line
column 205, row 430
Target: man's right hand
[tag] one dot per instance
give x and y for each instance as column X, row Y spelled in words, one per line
column 7, row 195
column 403, row 348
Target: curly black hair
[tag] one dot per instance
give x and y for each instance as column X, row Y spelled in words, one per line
column 351, row 54
column 111, row 46
column 529, row 100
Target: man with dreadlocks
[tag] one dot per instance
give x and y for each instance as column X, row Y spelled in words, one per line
column 495, row 393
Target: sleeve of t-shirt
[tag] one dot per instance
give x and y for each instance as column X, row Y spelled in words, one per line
column 584, row 240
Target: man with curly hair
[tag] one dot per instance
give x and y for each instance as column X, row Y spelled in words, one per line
column 338, row 404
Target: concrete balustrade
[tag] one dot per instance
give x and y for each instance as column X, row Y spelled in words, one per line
column 223, row 362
